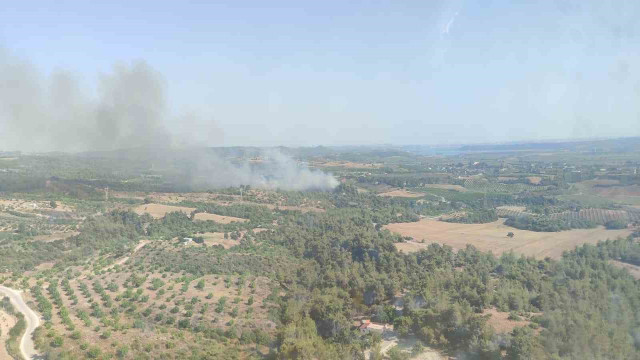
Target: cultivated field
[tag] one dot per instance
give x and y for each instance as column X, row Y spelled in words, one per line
column 493, row 237
column 216, row 238
column 446, row 187
column 535, row 180
column 507, row 211
column 599, row 216
column 347, row 164
column 401, row 193
column 218, row 218
column 609, row 190
column 158, row 211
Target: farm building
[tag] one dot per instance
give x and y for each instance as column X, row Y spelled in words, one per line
column 366, row 327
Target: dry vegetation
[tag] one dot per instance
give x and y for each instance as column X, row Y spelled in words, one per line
column 6, row 323
column 501, row 323
column 493, row 237
column 535, row 180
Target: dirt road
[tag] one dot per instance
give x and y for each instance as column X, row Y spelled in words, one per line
column 33, row 321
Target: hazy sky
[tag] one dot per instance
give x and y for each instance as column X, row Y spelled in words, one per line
column 355, row 72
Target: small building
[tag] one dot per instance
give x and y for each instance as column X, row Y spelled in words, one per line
column 187, row 241
column 366, row 327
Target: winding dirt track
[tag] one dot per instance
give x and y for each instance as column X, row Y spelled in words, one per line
column 27, row 347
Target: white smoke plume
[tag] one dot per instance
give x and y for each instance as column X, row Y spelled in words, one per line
column 274, row 170
column 53, row 113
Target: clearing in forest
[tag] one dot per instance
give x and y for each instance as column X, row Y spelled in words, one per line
column 634, row 270
column 218, row 218
column 402, row 193
column 501, row 323
column 493, row 237
column 158, row 211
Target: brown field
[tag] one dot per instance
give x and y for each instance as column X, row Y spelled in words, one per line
column 501, row 323
column 32, row 206
column 6, row 323
column 534, row 179
column 617, row 191
column 55, row 236
column 159, row 211
column 600, row 182
column 493, row 237
column 634, row 270
column 216, row 238
column 218, row 218
column 447, row 187
column 401, row 193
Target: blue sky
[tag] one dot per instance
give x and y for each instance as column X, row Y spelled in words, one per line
column 355, row 72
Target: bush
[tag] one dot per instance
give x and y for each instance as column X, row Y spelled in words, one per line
column 615, row 224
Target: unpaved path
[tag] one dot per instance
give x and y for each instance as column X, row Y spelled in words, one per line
column 27, row 347
column 140, row 245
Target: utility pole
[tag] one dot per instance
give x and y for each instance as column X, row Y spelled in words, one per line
column 106, row 193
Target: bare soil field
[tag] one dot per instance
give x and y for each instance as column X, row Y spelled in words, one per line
column 159, row 211
column 55, row 236
column 447, row 187
column 31, row 206
column 534, row 179
column 405, row 345
column 217, row 238
column 402, row 193
column 501, row 323
column 218, row 218
column 634, row 270
column 6, row 323
column 617, row 191
column 600, row 182
column 493, row 237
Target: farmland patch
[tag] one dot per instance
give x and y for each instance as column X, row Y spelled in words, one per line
column 159, row 211
column 493, row 237
column 218, row 218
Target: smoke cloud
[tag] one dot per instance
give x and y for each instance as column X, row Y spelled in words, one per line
column 270, row 170
column 53, row 113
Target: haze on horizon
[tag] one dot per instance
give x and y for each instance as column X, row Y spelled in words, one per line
column 86, row 75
